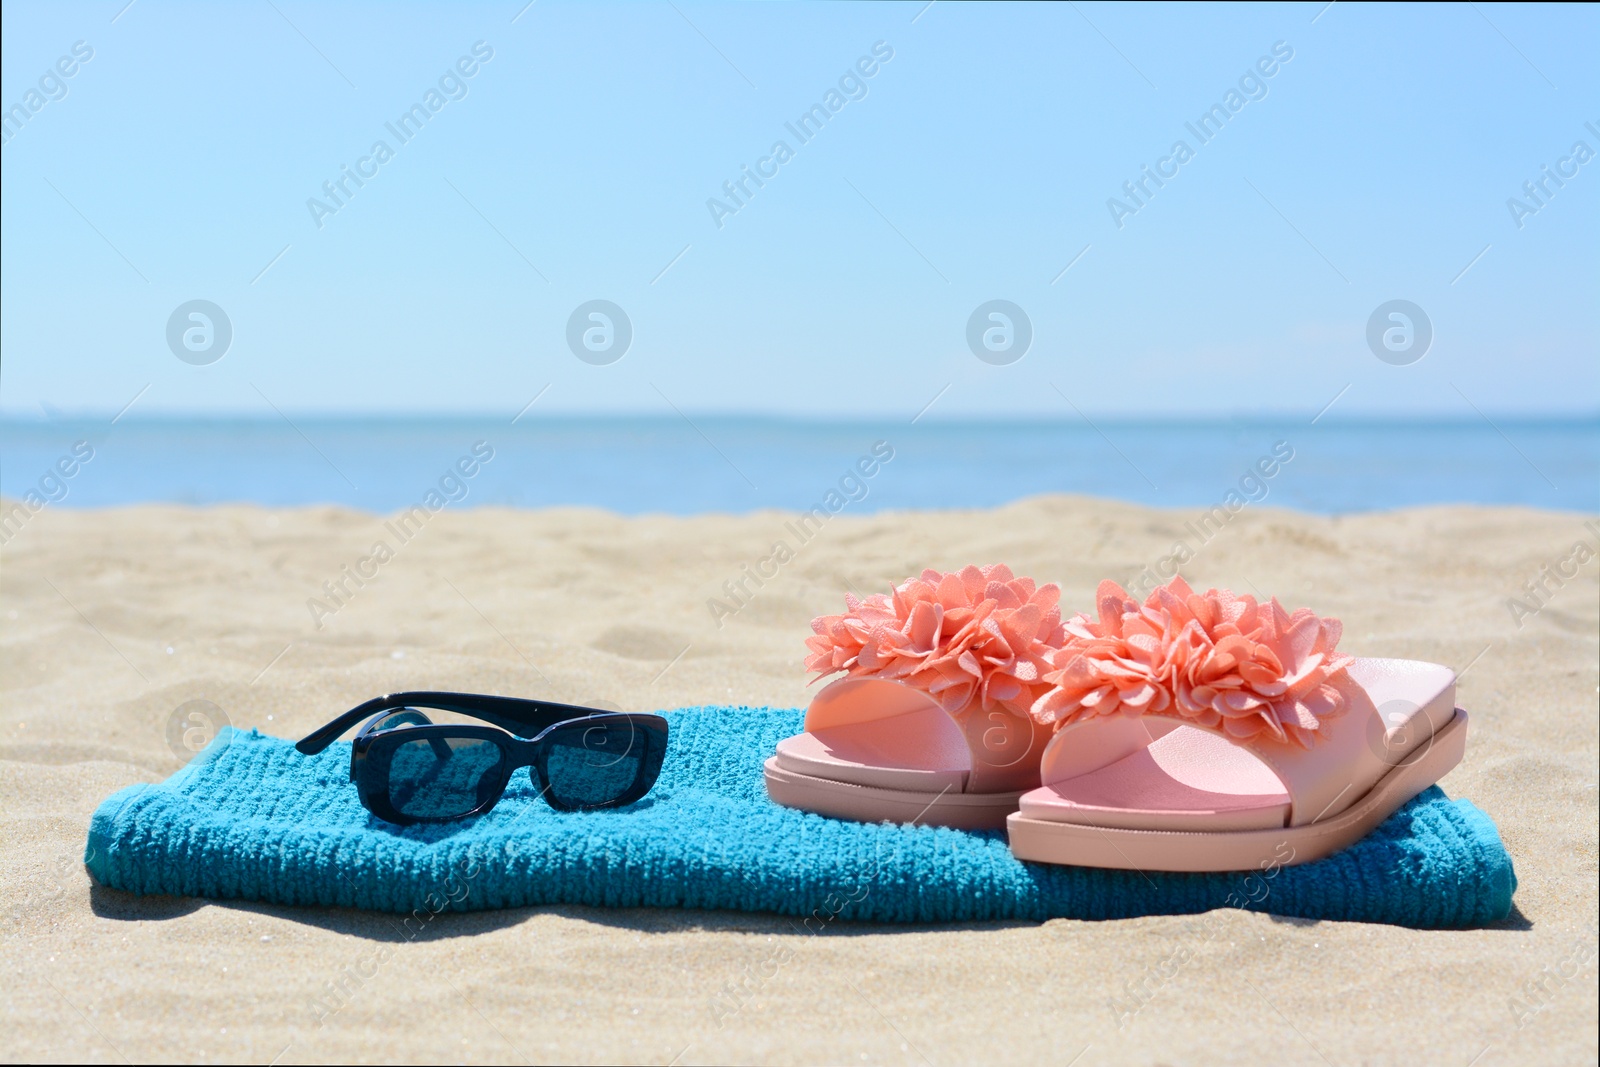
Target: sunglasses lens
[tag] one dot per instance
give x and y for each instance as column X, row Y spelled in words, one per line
column 592, row 765
column 443, row 777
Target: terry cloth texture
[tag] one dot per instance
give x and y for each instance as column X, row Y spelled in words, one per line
column 252, row 819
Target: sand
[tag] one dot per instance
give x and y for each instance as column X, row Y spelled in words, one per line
column 112, row 620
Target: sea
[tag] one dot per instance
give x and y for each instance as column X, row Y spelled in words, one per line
column 693, row 465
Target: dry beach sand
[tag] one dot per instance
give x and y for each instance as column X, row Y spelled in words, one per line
column 110, row 620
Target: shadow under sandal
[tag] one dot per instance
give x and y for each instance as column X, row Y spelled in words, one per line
column 1212, row 733
column 930, row 724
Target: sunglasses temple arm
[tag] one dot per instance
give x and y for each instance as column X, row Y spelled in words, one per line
column 523, row 718
column 323, row 736
column 524, row 727
column 441, row 748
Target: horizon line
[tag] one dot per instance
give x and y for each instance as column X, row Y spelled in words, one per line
column 36, row 418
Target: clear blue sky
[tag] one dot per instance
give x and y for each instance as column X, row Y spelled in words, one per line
column 976, row 166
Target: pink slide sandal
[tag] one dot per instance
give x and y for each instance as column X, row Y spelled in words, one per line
column 931, row 723
column 1213, row 733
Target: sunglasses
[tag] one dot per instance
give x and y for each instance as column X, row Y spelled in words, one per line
column 407, row 769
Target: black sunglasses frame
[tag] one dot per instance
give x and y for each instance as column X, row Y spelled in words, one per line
column 528, row 730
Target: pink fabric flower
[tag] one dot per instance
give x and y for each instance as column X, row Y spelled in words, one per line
column 977, row 637
column 1216, row 659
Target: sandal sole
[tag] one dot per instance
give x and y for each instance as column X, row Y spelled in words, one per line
column 862, row 803
column 1084, row 845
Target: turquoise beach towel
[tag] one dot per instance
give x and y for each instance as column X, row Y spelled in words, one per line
column 252, row 819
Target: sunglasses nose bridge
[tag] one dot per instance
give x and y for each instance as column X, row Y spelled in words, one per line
column 522, row 754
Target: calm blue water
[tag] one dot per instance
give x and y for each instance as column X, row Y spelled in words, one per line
column 739, row 465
